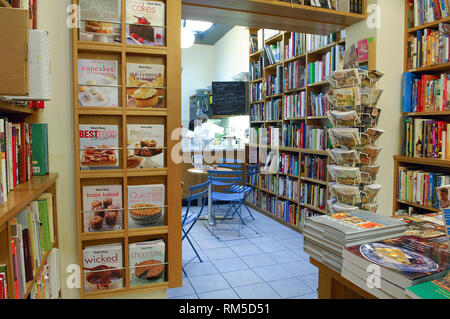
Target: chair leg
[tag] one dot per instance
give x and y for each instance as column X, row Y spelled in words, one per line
column 251, row 215
column 192, row 245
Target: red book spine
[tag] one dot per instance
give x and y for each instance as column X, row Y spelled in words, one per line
column 23, row 167
column 14, row 155
column 14, row 258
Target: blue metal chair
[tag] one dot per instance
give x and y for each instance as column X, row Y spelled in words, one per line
column 230, row 163
column 189, row 218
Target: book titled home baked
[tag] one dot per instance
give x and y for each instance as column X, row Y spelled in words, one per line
column 145, row 85
column 98, row 83
column 99, row 146
column 100, row 20
column 102, row 267
column 145, row 146
column 146, row 21
column 102, row 208
column 146, row 205
column 147, row 262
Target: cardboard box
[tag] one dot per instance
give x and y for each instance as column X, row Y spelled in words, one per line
column 14, row 24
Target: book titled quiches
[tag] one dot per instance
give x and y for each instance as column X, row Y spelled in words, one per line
column 102, row 208
column 102, row 267
column 147, row 262
column 145, row 146
column 146, row 205
column 99, row 146
column 146, row 22
column 98, row 83
column 145, row 85
column 100, row 20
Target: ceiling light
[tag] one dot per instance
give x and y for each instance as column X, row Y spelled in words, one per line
column 198, row 26
column 187, row 38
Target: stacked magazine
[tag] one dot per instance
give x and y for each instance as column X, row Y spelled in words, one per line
column 326, row 236
column 354, row 116
column 387, row 268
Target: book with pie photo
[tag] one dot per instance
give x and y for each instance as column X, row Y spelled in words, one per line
column 146, row 23
column 145, row 146
column 98, row 83
column 147, row 262
column 99, row 147
column 100, row 20
column 102, row 267
column 146, row 205
column 102, row 208
column 145, row 85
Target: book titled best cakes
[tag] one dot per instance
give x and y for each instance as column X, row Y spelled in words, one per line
column 100, row 20
column 98, row 83
column 145, row 85
column 99, row 146
column 146, row 205
column 102, row 208
column 145, row 146
column 147, row 262
column 146, row 22
column 102, row 267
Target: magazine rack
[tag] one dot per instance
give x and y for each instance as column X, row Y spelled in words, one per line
column 168, row 115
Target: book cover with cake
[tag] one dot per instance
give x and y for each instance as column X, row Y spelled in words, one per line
column 102, row 267
column 98, row 83
column 102, row 208
column 145, row 85
column 146, row 205
column 147, row 262
column 100, row 20
column 146, row 21
column 145, row 146
column 99, row 146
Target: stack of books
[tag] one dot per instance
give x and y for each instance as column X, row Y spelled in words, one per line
column 427, row 11
column 386, row 268
column 326, row 236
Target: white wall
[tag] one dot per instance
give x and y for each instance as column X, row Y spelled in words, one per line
column 198, row 73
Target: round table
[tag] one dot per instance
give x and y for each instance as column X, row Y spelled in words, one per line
column 204, row 171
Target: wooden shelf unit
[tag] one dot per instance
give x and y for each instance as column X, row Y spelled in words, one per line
column 170, row 175
column 426, row 164
column 18, row 200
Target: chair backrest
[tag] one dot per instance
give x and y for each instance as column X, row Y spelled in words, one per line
column 252, row 174
column 232, row 166
column 230, row 161
column 202, row 193
column 225, row 178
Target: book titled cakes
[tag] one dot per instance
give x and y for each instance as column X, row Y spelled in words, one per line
column 100, row 20
column 147, row 262
column 146, row 205
column 98, row 83
column 102, row 208
column 145, row 146
column 146, row 21
column 145, row 85
column 102, row 267
column 99, row 146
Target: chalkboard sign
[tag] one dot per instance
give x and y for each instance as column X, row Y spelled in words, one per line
column 229, row 98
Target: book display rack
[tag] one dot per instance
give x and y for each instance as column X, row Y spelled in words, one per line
column 126, row 106
column 425, row 134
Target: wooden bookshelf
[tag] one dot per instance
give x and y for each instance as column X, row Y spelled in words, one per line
column 272, row 14
column 169, row 115
column 5, row 3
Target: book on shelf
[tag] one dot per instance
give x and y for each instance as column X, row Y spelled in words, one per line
column 296, row 45
column 39, row 148
column 315, row 138
column 362, row 47
column 98, row 84
column 426, row 11
column 435, row 289
column 256, row 113
column 288, row 187
column 289, row 164
column 100, row 21
column 294, row 75
column 31, row 6
column 272, row 53
column 428, row 47
column 102, row 208
column 146, row 22
column 145, row 85
column 319, row 104
column 256, row 69
column 99, row 146
column 46, row 285
column 3, row 282
column 294, row 135
column 146, row 206
column 274, row 82
column 103, row 267
column 313, row 195
column 287, row 211
column 274, row 109
column 316, row 167
column 32, row 235
column 295, row 105
column 147, row 262
column 145, row 146
column 253, row 43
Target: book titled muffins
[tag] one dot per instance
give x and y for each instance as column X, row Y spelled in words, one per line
column 145, row 146
column 145, row 85
column 147, row 262
column 146, row 22
column 102, row 208
column 146, row 205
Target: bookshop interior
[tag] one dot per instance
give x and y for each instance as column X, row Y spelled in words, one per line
column 207, row 149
